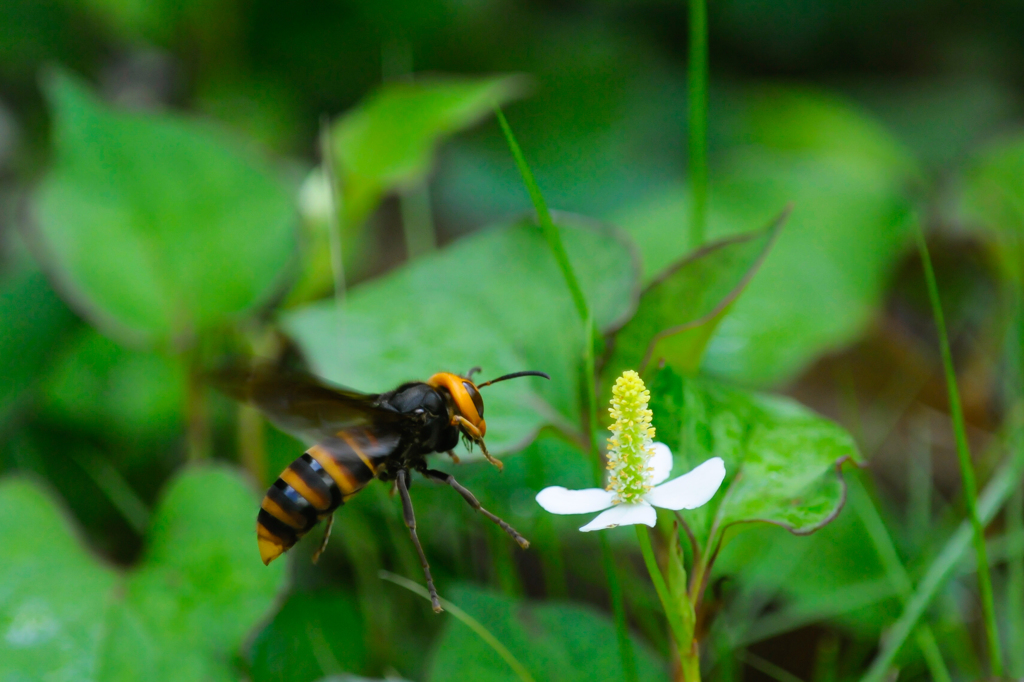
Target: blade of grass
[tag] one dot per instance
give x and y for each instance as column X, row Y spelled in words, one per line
column 1015, row 512
column 554, row 240
column 547, row 226
column 472, row 623
column 117, row 489
column 698, row 119
column 896, row 572
column 966, row 466
column 1015, row 584
column 767, row 667
column 1005, row 480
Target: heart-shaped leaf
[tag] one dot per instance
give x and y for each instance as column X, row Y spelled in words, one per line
column 679, row 311
column 181, row 614
column 155, row 227
column 495, row 299
column 388, row 142
column 566, row 642
column 782, row 461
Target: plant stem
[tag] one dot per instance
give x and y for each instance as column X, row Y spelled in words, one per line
column 626, row 652
column 684, row 641
column 966, row 466
column 698, row 119
column 469, row 621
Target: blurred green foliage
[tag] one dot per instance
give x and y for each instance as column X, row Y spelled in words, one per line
column 168, row 203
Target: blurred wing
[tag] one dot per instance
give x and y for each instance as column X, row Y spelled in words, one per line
column 302, row 404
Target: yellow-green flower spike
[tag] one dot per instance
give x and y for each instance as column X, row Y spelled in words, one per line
column 631, row 446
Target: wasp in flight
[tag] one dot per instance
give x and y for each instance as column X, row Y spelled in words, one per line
column 360, row 437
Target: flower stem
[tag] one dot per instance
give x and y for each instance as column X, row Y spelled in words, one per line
column 684, row 640
column 966, row 466
column 698, row 119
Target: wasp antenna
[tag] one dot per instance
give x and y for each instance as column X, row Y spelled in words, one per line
column 514, row 375
column 472, row 371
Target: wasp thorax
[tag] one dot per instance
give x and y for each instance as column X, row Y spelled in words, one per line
column 631, row 446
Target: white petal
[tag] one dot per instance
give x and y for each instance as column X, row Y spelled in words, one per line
column 691, row 490
column 661, row 463
column 559, row 500
column 623, row 515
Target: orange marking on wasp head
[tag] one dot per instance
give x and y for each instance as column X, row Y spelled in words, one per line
column 463, row 402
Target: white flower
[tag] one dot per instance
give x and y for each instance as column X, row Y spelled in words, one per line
column 688, row 491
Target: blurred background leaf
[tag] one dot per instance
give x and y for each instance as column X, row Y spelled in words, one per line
column 147, row 222
column 180, row 615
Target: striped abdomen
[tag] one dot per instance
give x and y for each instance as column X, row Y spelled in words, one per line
column 314, row 485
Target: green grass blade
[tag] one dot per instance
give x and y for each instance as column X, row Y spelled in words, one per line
column 1003, row 483
column 896, row 573
column 547, row 226
column 467, row 620
column 698, row 119
column 1015, row 583
column 966, row 466
column 767, row 667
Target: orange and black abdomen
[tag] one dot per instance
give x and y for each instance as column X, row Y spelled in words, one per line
column 313, row 486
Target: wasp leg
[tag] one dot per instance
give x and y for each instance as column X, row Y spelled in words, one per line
column 474, row 435
column 455, row 458
column 475, row 504
column 327, row 536
column 410, row 522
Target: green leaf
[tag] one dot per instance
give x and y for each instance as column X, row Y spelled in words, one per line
column 826, row 276
column 994, row 197
column 53, row 594
column 314, row 634
column 495, row 299
column 782, row 461
column 181, row 614
column 679, row 311
column 156, row 227
column 388, row 142
column 565, row 642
